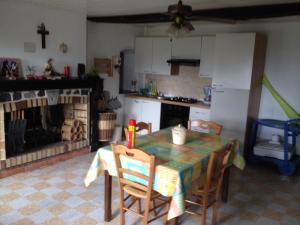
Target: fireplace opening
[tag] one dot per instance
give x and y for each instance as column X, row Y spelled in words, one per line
column 33, row 128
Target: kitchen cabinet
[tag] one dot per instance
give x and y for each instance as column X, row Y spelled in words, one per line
column 186, row 48
column 199, row 114
column 161, row 52
column 151, row 113
column 142, row 110
column 207, row 56
column 233, row 60
column 143, row 54
column 132, row 110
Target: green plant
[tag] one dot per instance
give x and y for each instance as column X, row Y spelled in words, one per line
column 93, row 72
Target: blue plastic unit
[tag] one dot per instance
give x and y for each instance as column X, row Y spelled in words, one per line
column 291, row 128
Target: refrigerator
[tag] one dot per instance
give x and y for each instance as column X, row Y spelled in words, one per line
column 236, row 83
column 229, row 107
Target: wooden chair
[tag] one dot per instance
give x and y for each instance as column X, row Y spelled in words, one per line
column 136, row 190
column 209, row 189
column 207, row 125
column 139, row 127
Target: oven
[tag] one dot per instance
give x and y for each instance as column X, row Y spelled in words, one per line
column 172, row 115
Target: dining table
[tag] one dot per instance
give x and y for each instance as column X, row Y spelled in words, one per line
column 178, row 167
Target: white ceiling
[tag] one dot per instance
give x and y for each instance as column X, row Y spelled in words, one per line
column 122, row 7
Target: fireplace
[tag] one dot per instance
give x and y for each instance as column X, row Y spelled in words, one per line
column 40, row 120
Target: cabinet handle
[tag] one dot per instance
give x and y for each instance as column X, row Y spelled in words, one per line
column 217, row 85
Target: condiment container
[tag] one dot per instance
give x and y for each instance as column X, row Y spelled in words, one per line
column 179, row 135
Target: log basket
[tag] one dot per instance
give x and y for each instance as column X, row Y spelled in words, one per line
column 106, row 125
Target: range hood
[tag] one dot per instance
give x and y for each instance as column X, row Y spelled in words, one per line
column 184, row 62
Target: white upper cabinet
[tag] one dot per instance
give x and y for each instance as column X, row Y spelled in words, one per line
column 161, row 53
column 233, row 60
column 186, row 48
column 207, row 59
column 143, row 54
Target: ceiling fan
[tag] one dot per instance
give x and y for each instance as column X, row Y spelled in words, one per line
column 182, row 15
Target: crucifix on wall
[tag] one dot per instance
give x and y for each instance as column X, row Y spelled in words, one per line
column 43, row 32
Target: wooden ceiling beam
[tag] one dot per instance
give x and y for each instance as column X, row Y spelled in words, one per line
column 231, row 13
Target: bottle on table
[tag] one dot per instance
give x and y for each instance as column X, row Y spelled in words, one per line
column 131, row 133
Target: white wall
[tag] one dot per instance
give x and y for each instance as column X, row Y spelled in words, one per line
column 282, row 60
column 105, row 41
column 19, row 23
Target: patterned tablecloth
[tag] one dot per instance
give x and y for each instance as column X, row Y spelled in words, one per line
column 179, row 166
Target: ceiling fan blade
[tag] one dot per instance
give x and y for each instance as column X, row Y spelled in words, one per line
column 179, row 8
column 211, row 19
column 168, row 14
column 188, row 25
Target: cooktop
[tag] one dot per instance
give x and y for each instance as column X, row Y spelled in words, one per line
column 181, row 99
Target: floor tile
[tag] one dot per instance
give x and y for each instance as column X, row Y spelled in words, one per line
column 56, row 195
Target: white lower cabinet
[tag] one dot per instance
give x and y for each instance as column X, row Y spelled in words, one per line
column 143, row 110
column 199, row 114
column 151, row 113
column 132, row 110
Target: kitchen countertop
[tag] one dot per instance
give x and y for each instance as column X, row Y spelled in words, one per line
column 198, row 104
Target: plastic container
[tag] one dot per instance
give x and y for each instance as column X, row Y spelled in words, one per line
column 131, row 133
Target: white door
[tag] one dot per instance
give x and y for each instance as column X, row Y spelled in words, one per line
column 143, row 54
column 207, row 59
column 186, row 48
column 151, row 113
column 132, row 110
column 229, row 107
column 161, row 53
column 233, row 60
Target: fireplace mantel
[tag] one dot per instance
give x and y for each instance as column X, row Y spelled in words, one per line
column 26, row 85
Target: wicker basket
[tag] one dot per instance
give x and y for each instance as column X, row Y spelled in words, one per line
column 106, row 125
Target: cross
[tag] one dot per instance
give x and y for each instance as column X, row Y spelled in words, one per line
column 43, row 32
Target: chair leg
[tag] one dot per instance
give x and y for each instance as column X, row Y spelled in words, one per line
column 214, row 213
column 122, row 216
column 139, row 206
column 203, row 216
column 154, row 206
column 165, row 218
column 146, row 213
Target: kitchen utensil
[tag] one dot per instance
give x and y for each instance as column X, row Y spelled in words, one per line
column 275, row 139
column 207, row 94
column 179, row 135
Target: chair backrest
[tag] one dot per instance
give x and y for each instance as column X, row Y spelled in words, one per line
column 217, row 164
column 139, row 127
column 206, row 125
column 144, row 126
column 139, row 156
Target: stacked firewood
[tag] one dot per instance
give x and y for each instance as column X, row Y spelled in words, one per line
column 72, row 130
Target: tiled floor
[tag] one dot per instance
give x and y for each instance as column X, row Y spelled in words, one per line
column 56, row 195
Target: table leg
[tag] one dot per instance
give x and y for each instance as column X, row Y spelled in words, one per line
column 107, row 196
column 225, row 185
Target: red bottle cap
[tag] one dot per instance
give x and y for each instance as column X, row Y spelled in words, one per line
column 131, row 122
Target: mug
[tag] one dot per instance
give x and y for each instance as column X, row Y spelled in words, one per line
column 275, row 138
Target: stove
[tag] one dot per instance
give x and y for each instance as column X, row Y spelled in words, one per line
column 181, row 99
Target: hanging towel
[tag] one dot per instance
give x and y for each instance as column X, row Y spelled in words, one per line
column 288, row 109
column 52, row 96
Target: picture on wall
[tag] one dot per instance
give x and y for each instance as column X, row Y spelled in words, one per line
column 10, row 68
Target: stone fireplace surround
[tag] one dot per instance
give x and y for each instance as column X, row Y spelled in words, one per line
column 78, row 98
